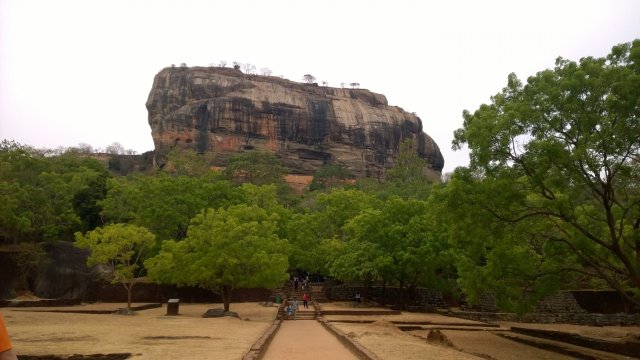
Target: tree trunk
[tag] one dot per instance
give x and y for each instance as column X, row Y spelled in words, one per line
column 226, row 296
column 384, row 292
column 400, row 300
column 129, row 288
column 365, row 291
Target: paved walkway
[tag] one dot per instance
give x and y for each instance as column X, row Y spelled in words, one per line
column 306, row 339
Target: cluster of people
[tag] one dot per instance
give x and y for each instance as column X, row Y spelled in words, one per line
column 303, row 283
column 291, row 308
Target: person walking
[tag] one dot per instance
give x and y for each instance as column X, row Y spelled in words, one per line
column 287, row 309
column 294, row 307
column 305, row 300
column 6, row 351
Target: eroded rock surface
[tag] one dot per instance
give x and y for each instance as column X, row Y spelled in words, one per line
column 223, row 111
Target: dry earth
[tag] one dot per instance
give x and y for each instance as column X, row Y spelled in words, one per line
column 467, row 339
column 148, row 335
column 152, row 335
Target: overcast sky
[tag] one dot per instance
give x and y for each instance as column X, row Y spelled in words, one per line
column 80, row 71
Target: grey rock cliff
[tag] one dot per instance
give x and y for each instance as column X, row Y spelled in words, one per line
column 223, row 111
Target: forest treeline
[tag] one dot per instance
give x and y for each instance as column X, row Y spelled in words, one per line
column 549, row 201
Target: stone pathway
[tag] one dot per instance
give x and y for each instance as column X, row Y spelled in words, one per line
column 306, row 339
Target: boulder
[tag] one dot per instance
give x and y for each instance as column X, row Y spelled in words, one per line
column 218, row 312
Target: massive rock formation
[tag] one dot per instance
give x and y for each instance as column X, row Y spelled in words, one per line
column 223, row 111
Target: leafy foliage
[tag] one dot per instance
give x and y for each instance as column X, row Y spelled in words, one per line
column 328, row 176
column 565, row 148
column 165, row 204
column 120, row 248
column 225, row 249
column 47, row 198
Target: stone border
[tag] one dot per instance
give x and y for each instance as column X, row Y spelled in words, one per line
column 259, row 348
column 356, row 348
column 98, row 312
column 627, row 348
column 40, row 303
column 361, row 312
column 589, row 319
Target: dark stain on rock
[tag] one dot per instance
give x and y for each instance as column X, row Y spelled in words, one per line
column 202, row 117
column 319, row 127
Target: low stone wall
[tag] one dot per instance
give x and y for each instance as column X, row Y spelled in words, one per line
column 148, row 292
column 562, row 302
column 358, row 350
column 418, row 299
column 589, row 319
column 40, row 303
column 259, row 348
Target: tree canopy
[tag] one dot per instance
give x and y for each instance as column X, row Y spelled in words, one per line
column 562, row 153
column 225, row 249
column 119, row 247
column 46, row 198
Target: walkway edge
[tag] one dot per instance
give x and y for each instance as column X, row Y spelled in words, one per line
column 356, row 348
column 260, row 347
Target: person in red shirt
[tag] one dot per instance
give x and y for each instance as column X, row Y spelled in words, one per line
column 6, row 352
column 305, row 300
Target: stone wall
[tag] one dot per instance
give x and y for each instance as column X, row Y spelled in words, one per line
column 600, row 308
column 418, row 299
column 562, row 302
column 590, row 319
column 161, row 293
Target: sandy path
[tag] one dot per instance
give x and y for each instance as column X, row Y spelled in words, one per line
column 306, row 339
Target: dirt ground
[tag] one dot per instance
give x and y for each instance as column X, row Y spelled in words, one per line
column 152, row 335
column 148, row 335
column 467, row 339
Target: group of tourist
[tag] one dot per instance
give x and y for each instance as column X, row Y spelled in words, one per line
column 291, row 308
column 303, row 283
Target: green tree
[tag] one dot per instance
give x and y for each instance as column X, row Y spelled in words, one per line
column 225, row 249
column 121, row 248
column 568, row 144
column 407, row 166
column 328, row 176
column 404, row 244
column 510, row 260
column 47, row 196
column 255, row 167
column 165, row 204
column 188, row 162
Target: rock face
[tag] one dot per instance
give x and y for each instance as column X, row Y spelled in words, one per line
column 64, row 275
column 223, row 111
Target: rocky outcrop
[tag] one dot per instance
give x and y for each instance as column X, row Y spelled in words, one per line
column 64, row 275
column 223, row 111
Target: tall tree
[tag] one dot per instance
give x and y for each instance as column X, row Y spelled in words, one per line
column 225, row 249
column 47, row 196
column 567, row 145
column 317, row 233
column 255, row 167
column 330, row 175
column 165, row 204
column 121, row 248
column 403, row 244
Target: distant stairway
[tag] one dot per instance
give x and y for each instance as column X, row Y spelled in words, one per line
column 303, row 314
